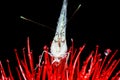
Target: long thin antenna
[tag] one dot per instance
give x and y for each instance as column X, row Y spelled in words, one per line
column 75, row 12
column 42, row 25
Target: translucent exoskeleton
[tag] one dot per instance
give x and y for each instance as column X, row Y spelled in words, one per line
column 58, row 47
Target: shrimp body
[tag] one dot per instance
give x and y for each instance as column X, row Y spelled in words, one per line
column 58, row 47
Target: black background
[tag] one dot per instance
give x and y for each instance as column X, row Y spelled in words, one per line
column 96, row 22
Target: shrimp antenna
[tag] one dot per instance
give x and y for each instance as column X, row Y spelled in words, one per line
column 74, row 12
column 24, row 18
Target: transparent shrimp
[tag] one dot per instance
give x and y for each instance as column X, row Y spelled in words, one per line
column 58, row 47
